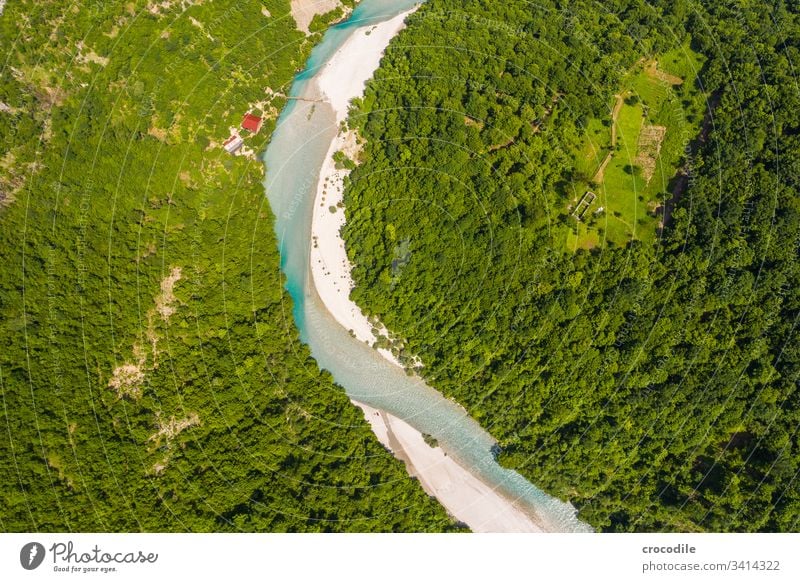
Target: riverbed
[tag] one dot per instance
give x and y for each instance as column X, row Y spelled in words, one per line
column 295, row 158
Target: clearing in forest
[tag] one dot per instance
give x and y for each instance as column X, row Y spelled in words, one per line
column 629, row 158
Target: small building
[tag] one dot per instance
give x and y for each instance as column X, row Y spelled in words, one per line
column 251, row 122
column 233, row 143
column 584, row 204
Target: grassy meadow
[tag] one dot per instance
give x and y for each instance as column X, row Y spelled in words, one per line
column 630, row 158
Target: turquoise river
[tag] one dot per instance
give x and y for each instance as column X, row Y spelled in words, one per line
column 293, row 160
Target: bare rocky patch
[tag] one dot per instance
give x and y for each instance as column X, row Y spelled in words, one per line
column 304, row 11
column 89, row 56
column 160, row 8
column 168, row 429
column 158, row 133
column 166, row 299
column 471, row 122
column 128, row 379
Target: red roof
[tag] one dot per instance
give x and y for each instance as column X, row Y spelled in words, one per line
column 251, row 122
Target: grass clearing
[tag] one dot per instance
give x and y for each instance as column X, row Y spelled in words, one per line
column 629, row 159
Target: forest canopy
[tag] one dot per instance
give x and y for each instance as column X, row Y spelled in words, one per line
column 639, row 360
column 151, row 377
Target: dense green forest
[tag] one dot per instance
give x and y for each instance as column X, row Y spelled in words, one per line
column 650, row 380
column 150, row 372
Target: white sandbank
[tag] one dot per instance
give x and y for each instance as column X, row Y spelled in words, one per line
column 466, row 498
column 355, row 62
column 342, row 79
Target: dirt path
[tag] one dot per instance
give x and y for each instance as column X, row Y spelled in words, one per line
column 614, row 114
column 500, row 146
column 598, row 176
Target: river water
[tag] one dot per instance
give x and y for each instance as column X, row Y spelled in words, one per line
column 293, row 160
